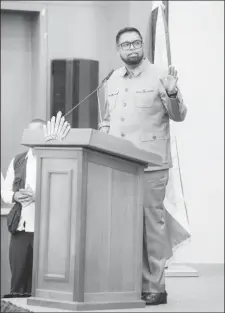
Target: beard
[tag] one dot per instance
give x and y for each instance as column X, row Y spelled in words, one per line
column 134, row 60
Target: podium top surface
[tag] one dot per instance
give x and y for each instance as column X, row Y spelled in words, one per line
column 94, row 140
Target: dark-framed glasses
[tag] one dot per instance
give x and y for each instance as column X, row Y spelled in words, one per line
column 137, row 44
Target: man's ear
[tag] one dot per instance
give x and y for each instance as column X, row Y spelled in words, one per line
column 117, row 51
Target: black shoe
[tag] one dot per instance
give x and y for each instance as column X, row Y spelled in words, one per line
column 25, row 295
column 11, row 295
column 17, row 295
column 154, row 298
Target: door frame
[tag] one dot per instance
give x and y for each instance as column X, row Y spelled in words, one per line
column 40, row 108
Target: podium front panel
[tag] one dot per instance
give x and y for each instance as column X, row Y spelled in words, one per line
column 55, row 224
column 113, row 230
column 88, row 229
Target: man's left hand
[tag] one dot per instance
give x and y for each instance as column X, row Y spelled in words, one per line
column 170, row 82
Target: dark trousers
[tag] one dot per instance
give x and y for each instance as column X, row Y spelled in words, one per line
column 155, row 242
column 21, row 261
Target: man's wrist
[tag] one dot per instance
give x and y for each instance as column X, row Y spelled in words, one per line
column 104, row 129
column 173, row 93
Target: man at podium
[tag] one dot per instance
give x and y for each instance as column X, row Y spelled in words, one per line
column 140, row 101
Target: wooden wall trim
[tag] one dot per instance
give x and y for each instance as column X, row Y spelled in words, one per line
column 40, row 108
column 29, row 6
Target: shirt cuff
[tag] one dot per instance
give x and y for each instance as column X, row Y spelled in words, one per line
column 172, row 94
column 103, row 124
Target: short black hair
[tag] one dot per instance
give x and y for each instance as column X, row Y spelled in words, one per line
column 38, row 120
column 127, row 30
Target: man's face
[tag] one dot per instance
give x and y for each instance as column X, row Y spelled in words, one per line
column 131, row 54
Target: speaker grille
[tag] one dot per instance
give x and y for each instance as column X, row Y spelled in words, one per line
column 71, row 82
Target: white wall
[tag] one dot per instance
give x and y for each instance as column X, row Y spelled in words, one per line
column 197, row 44
column 16, row 55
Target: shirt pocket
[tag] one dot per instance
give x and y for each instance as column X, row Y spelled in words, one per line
column 144, row 98
column 157, row 142
column 112, row 99
column 160, row 135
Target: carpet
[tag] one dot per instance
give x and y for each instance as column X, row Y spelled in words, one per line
column 10, row 307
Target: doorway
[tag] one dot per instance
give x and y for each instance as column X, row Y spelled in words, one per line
column 19, row 41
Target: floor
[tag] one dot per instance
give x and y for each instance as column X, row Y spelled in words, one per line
column 185, row 294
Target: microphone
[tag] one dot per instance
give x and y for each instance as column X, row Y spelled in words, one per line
column 88, row 96
column 107, row 77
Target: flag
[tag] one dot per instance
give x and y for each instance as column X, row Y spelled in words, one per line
column 159, row 49
column 176, row 211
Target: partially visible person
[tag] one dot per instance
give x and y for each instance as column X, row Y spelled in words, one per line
column 19, row 189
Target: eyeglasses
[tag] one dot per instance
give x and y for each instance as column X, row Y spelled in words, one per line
column 137, row 44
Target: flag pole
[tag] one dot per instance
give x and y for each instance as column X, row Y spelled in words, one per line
column 168, row 49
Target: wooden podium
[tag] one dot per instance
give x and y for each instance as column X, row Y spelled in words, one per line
column 88, row 222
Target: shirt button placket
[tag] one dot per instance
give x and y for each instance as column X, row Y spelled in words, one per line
column 122, row 118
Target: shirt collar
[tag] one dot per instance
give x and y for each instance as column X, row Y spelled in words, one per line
column 136, row 71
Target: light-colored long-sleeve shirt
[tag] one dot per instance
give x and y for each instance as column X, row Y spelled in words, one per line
column 139, row 109
column 28, row 212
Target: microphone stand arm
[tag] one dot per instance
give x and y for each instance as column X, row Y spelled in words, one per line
column 85, row 98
